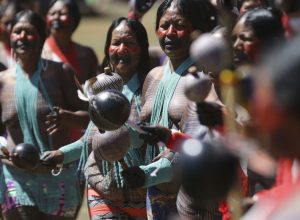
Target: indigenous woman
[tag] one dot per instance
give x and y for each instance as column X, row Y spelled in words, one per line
column 255, row 32
column 126, row 53
column 29, row 94
column 8, row 13
column 164, row 101
column 63, row 18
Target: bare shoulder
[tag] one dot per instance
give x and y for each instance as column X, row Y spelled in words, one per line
column 8, row 74
column 84, row 50
column 155, row 73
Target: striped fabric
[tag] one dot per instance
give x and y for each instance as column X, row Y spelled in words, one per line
column 101, row 208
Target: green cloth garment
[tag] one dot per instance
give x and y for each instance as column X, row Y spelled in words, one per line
column 161, row 169
column 42, row 190
column 129, row 90
column 26, row 94
column 133, row 157
column 164, row 94
column 78, row 150
column 72, row 151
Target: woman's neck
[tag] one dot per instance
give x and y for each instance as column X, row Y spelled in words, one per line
column 29, row 66
column 175, row 63
column 127, row 77
column 62, row 40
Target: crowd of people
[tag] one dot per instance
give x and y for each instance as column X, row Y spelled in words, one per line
column 214, row 112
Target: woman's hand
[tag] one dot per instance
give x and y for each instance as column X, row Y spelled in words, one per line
column 55, row 120
column 155, row 134
column 60, row 118
column 52, row 158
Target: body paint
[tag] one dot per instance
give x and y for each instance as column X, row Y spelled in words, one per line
column 17, row 40
column 172, row 30
column 63, row 21
column 123, row 49
column 251, row 50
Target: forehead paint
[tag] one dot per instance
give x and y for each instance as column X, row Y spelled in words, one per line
column 123, row 48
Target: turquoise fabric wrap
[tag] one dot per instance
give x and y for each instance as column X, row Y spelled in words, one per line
column 164, row 172
column 26, row 94
column 129, row 90
column 84, row 152
column 133, row 157
column 42, row 190
column 49, row 193
column 164, row 94
column 72, row 151
column 159, row 115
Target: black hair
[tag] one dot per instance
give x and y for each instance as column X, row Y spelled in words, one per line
column 73, row 9
column 201, row 13
column 142, row 39
column 35, row 19
column 283, row 69
column 265, row 23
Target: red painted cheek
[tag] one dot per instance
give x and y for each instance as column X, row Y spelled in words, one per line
column 15, row 37
column 124, row 49
column 65, row 19
column 252, row 50
column 133, row 50
column 184, row 33
column 112, row 49
column 48, row 20
column 34, row 37
column 161, row 33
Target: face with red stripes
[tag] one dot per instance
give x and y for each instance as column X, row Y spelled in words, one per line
column 124, row 50
column 174, row 34
column 59, row 18
column 246, row 46
column 24, row 38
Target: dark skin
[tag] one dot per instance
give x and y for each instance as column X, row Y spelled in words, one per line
column 60, row 86
column 173, row 34
column 124, row 51
column 61, row 25
column 245, row 44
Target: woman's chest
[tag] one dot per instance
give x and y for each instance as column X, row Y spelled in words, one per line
column 176, row 105
column 41, row 101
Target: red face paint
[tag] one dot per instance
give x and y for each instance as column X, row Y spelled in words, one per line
column 161, row 33
column 66, row 19
column 251, row 50
column 123, row 49
column 48, row 20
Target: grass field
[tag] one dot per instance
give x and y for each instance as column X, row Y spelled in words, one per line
column 92, row 32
